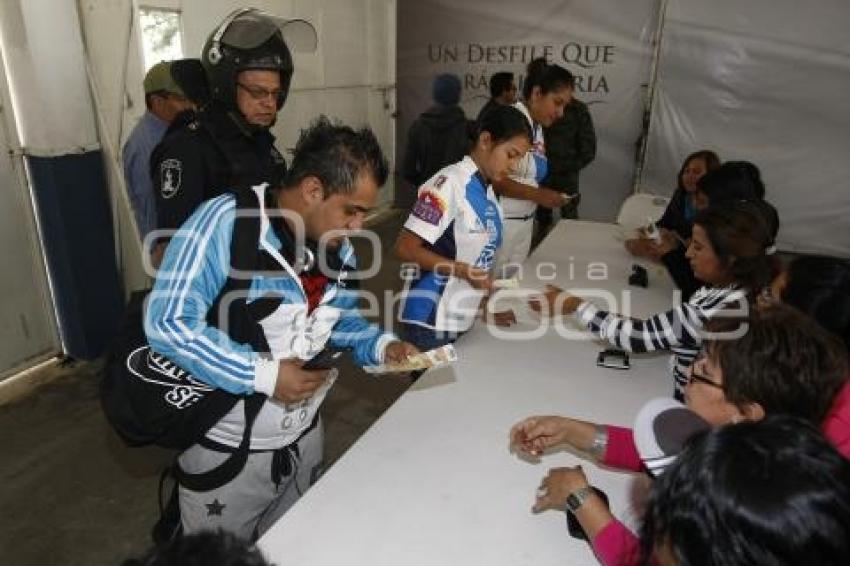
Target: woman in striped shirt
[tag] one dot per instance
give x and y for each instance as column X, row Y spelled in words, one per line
column 730, row 252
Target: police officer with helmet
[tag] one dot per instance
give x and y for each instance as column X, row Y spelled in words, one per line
column 248, row 67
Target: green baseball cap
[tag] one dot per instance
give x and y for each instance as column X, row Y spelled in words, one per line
column 159, row 78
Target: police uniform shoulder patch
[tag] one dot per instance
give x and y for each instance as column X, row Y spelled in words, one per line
column 170, row 177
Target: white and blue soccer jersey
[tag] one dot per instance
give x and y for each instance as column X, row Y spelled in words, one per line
column 531, row 170
column 458, row 215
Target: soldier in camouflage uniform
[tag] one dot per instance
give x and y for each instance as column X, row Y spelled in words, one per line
column 570, row 147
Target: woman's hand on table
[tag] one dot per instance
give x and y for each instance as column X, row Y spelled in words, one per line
column 554, row 300
column 556, row 486
column 593, row 515
column 535, row 434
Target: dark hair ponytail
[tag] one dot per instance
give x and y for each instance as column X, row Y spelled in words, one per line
column 548, row 77
column 741, row 235
column 503, row 123
column 734, row 180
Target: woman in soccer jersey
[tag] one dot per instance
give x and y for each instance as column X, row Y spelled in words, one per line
column 453, row 232
column 547, row 89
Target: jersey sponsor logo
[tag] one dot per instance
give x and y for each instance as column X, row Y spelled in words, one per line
column 429, row 208
column 488, row 252
column 170, row 177
column 438, row 182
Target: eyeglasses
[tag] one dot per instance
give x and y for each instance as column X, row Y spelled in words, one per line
column 694, row 376
column 259, row 93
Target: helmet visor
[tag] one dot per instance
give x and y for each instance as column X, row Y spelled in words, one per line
column 251, row 28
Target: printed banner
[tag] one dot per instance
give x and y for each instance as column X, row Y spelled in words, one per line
column 604, row 43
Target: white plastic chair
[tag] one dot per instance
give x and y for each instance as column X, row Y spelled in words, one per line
column 641, row 208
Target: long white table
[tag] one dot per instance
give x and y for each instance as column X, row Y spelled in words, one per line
column 433, row 481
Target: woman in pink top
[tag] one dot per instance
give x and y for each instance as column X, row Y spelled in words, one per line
column 784, row 364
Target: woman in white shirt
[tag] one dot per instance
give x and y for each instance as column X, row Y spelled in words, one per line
column 546, row 91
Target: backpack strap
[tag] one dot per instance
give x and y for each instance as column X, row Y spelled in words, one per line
column 230, row 468
column 242, row 327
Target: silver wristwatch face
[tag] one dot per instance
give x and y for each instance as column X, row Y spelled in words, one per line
column 576, row 498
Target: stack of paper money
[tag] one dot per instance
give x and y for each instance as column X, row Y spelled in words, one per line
column 438, row 357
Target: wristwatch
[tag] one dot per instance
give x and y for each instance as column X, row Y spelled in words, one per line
column 577, row 498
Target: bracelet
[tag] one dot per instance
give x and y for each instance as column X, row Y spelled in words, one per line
column 600, row 442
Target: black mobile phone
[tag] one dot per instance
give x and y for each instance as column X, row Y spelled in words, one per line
column 574, row 527
column 614, row 359
column 326, row 359
column 639, row 276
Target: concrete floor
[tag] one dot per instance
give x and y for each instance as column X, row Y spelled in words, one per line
column 73, row 494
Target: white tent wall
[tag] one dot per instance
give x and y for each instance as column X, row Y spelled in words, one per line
column 55, row 125
column 605, row 43
column 765, row 81
column 44, row 58
column 28, row 331
column 46, row 112
column 113, row 54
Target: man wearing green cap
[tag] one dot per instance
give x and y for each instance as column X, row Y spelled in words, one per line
column 164, row 100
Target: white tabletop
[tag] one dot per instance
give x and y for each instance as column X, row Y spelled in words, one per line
column 433, row 481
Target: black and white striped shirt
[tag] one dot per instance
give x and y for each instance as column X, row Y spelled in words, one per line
column 678, row 330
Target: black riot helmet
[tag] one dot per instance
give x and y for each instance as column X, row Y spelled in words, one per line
column 250, row 39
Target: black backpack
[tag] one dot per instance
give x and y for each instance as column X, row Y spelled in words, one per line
column 150, row 400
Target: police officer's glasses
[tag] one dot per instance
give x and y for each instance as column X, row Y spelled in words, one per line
column 260, row 93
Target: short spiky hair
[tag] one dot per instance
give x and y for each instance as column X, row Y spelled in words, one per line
column 337, row 155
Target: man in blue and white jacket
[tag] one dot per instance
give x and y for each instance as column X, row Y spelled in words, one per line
column 334, row 181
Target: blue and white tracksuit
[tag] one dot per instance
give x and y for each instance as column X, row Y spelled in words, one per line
column 519, row 213
column 193, row 273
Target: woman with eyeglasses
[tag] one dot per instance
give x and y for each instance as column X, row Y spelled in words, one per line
column 779, row 363
column 729, row 253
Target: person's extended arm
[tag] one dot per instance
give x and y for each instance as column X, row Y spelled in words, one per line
column 541, row 195
column 370, row 345
column 176, row 315
column 411, row 248
column 662, row 331
column 609, row 445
